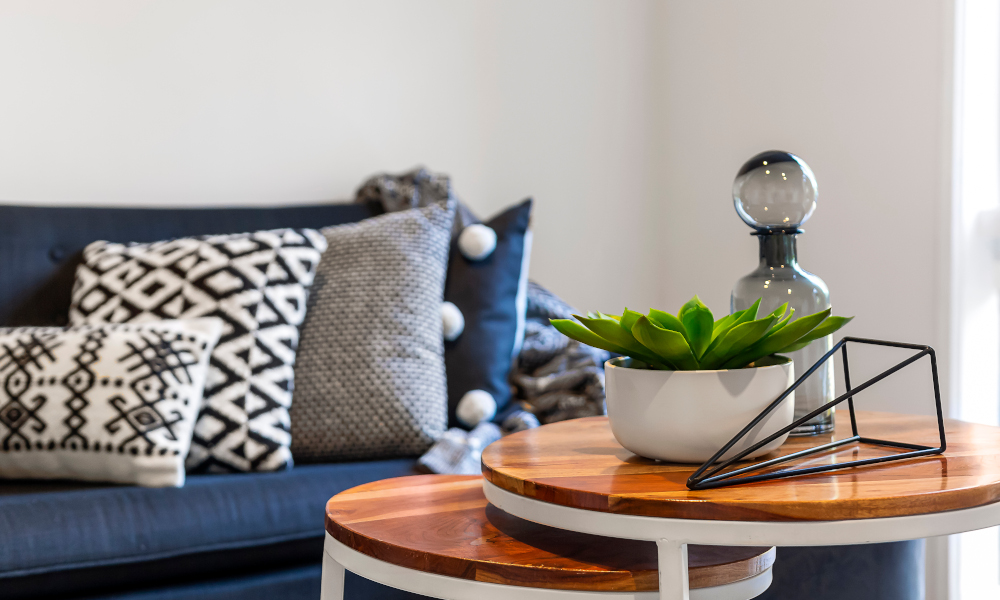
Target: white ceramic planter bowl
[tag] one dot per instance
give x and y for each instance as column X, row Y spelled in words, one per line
column 687, row 416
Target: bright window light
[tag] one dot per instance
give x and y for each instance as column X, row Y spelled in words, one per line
column 975, row 556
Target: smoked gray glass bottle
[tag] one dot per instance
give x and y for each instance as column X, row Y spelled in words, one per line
column 774, row 193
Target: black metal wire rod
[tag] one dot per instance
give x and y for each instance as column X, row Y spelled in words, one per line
column 763, row 414
column 713, row 479
column 718, row 482
column 876, row 442
column 785, row 458
column 796, row 423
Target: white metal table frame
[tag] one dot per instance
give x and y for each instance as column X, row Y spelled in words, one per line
column 339, row 558
column 672, row 536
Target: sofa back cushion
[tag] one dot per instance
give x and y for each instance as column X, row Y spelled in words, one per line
column 370, row 377
column 41, row 246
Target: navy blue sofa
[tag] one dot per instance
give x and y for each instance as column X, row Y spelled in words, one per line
column 244, row 536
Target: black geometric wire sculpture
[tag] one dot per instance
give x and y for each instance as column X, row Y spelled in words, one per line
column 710, row 475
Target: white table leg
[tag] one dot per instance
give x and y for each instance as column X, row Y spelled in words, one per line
column 332, row 586
column 673, row 567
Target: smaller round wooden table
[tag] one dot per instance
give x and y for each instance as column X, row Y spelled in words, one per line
column 574, row 475
column 436, row 535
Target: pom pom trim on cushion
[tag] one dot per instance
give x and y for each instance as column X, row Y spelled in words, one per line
column 452, row 321
column 476, row 406
column 477, row 241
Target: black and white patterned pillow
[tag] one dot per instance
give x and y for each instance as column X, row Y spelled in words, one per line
column 111, row 403
column 257, row 283
column 370, row 374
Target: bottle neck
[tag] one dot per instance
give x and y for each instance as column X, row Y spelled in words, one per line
column 778, row 251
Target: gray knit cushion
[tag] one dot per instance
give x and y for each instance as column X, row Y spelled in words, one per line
column 370, row 380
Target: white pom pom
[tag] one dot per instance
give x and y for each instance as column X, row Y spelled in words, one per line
column 476, row 406
column 452, row 321
column 476, row 242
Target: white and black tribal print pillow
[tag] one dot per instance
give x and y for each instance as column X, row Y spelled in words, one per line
column 257, row 283
column 112, row 403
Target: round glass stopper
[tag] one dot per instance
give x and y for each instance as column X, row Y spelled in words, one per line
column 775, row 190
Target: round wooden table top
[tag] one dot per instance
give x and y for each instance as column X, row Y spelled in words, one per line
column 442, row 524
column 580, row 464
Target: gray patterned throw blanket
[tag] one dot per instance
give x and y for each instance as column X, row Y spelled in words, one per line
column 554, row 378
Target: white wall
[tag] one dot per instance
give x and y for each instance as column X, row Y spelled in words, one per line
column 859, row 89
column 251, row 101
column 626, row 121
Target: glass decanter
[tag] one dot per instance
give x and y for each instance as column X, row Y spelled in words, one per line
column 774, row 193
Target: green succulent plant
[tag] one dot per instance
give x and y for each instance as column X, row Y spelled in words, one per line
column 694, row 340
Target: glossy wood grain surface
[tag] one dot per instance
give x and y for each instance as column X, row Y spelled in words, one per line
column 579, row 464
column 442, row 524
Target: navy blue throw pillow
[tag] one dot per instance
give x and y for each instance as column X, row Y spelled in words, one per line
column 486, row 291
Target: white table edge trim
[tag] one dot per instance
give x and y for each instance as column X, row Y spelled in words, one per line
column 337, row 557
column 744, row 533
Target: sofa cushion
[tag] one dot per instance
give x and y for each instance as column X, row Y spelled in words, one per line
column 256, row 284
column 51, row 528
column 488, row 288
column 113, row 403
column 370, row 378
column 491, row 293
column 40, row 246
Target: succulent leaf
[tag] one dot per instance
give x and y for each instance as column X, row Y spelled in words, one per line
column 693, row 340
column 666, row 343
column 782, row 322
column 750, row 314
column 666, row 321
column 735, row 341
column 746, row 316
column 780, row 311
column 827, row 327
column 698, row 322
column 793, row 348
column 578, row 332
column 724, row 324
column 611, row 331
column 788, row 335
column 628, row 319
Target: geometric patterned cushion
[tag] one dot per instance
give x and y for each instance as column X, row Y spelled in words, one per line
column 104, row 403
column 370, row 378
column 257, row 284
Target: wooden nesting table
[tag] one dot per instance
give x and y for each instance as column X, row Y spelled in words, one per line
column 436, row 535
column 574, row 475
